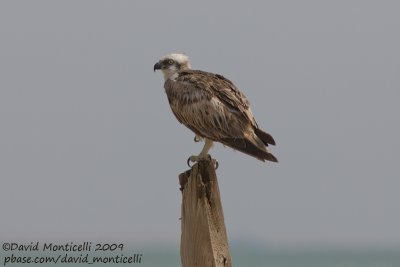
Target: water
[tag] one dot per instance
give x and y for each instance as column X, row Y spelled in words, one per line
column 318, row 259
column 242, row 256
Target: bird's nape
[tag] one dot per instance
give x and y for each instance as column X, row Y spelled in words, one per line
column 212, row 107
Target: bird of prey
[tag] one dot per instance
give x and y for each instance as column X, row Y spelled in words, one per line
column 213, row 108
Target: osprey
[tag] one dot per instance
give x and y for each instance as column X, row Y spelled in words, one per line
column 213, row 108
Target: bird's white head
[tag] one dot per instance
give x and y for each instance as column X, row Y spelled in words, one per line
column 172, row 64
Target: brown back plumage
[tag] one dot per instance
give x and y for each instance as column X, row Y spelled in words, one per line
column 213, row 107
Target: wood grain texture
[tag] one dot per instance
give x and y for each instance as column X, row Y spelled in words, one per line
column 204, row 241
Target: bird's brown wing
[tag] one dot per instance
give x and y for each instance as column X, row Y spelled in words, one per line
column 213, row 107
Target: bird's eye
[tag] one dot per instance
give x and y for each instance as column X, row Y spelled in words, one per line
column 170, row 62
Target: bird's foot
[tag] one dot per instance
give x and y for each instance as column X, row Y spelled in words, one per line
column 197, row 138
column 199, row 158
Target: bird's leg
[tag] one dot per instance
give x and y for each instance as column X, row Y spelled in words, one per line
column 203, row 154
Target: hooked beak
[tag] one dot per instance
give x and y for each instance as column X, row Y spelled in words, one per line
column 157, row 66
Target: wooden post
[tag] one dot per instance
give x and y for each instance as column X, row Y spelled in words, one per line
column 204, row 241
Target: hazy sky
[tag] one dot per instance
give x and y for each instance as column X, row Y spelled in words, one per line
column 89, row 148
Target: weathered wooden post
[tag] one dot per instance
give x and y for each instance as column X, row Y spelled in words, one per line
column 204, row 242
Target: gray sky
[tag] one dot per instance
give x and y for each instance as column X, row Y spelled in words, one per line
column 89, row 148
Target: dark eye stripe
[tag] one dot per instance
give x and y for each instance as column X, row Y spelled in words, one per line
column 168, row 62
